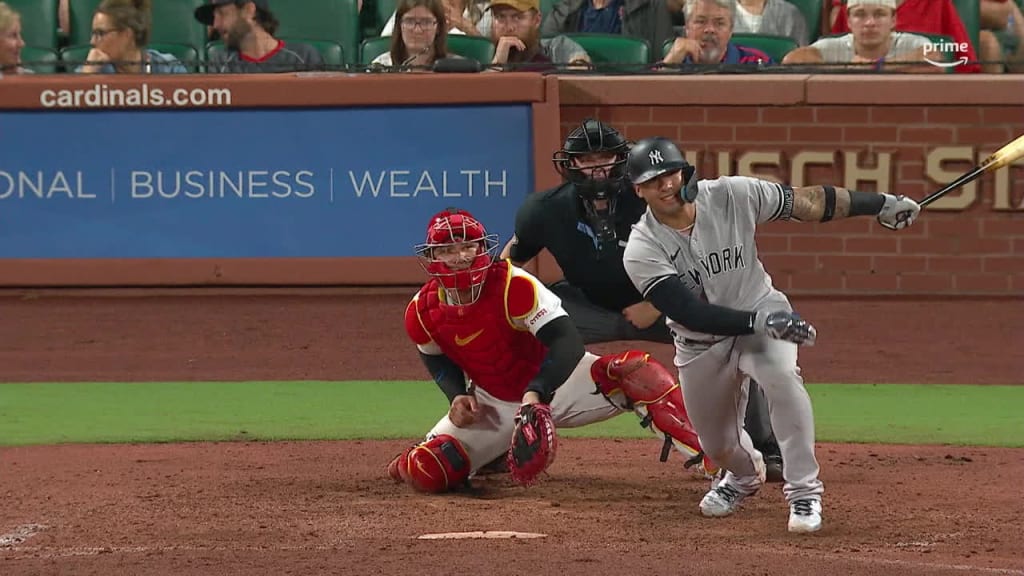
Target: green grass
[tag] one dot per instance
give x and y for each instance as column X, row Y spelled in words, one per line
column 199, row 411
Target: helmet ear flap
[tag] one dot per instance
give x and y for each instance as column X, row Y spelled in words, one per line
column 689, row 190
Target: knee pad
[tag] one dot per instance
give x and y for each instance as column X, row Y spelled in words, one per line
column 438, row 465
column 633, row 380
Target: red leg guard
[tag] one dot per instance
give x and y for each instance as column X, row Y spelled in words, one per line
column 633, row 380
column 437, row 465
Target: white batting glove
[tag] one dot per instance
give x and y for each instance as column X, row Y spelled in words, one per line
column 898, row 212
column 788, row 326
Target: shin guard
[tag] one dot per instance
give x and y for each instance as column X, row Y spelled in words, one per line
column 437, row 465
column 635, row 381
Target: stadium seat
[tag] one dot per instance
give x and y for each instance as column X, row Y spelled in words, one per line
column 332, row 53
column 775, row 46
column 479, row 49
column 188, row 54
column 38, row 22
column 613, row 48
column 812, row 10
column 332, row 20
column 39, row 60
column 385, row 8
column 174, row 23
column 80, row 16
column 74, row 56
column 970, row 13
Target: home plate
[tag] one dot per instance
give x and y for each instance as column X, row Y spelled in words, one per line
column 479, row 534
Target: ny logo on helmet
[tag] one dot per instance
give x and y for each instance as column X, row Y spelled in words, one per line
column 655, row 157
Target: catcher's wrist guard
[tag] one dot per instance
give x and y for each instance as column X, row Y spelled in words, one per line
column 534, row 443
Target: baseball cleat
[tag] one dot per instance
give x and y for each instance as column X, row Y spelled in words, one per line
column 805, row 515
column 722, row 500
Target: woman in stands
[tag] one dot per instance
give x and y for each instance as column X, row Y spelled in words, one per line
column 422, row 36
column 120, row 33
column 11, row 42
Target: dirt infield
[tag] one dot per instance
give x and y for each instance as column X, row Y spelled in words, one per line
column 608, row 507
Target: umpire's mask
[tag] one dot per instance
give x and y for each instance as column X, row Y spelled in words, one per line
column 594, row 161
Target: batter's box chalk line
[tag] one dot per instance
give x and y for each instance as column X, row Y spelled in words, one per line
column 489, row 534
column 20, row 534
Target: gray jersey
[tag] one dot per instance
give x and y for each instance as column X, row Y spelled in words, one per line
column 717, row 258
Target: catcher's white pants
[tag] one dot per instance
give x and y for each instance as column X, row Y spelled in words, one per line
column 577, row 402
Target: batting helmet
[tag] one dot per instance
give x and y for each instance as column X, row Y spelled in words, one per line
column 460, row 273
column 595, row 182
column 652, row 157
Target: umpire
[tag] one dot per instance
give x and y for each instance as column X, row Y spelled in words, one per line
column 584, row 223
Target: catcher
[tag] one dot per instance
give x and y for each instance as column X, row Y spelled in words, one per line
column 530, row 373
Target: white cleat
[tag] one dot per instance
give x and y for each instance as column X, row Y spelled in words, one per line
column 722, row 500
column 805, row 515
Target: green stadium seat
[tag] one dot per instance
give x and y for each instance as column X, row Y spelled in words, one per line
column 74, row 56
column 775, row 46
column 385, row 8
column 80, row 16
column 332, row 53
column 38, row 22
column 373, row 47
column 188, row 54
column 40, row 60
column 475, row 47
column 812, row 11
column 175, row 23
column 332, row 20
column 970, row 13
column 613, row 48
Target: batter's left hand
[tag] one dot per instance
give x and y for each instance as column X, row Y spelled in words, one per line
column 898, row 212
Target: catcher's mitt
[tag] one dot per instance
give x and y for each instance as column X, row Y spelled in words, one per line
column 534, row 443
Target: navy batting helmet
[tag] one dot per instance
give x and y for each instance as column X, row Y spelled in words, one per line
column 652, row 157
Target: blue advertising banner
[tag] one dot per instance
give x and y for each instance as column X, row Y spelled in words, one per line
column 344, row 182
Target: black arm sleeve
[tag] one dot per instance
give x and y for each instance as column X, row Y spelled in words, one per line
column 675, row 300
column 565, row 350
column 446, row 373
column 865, row 203
column 527, row 242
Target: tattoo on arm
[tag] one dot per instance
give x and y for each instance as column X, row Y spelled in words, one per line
column 809, row 203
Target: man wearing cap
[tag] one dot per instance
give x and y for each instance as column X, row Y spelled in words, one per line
column 247, row 28
column 872, row 40
column 515, row 31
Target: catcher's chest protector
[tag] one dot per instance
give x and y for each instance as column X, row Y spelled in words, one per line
column 480, row 338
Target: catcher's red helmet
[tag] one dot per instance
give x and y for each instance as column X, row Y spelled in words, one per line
column 462, row 277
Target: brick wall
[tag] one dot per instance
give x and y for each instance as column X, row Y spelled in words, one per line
column 971, row 243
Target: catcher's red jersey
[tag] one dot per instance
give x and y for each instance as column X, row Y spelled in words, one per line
column 493, row 340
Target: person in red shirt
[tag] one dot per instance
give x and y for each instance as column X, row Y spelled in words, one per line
column 503, row 329
column 927, row 17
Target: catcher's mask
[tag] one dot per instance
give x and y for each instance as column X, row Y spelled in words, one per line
column 597, row 184
column 652, row 157
column 458, row 251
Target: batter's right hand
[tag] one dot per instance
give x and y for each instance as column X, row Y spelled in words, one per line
column 463, row 411
column 788, row 326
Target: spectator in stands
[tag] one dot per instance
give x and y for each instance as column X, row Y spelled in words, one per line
column 872, row 40
column 930, row 17
column 120, row 34
column 709, row 27
column 1003, row 24
column 247, row 28
column 515, row 31
column 11, row 42
column 771, row 17
column 469, row 17
column 422, row 35
column 647, row 19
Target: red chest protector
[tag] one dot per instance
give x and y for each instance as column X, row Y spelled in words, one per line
column 480, row 338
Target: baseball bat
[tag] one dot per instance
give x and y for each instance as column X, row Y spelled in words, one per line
column 997, row 160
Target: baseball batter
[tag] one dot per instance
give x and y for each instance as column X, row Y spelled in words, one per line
column 693, row 255
column 508, row 333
